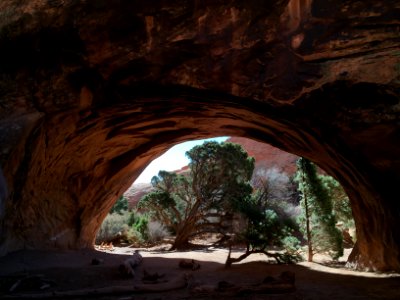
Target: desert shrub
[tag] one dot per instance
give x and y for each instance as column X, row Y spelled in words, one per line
column 140, row 225
column 156, row 232
column 291, row 249
column 139, row 222
column 130, row 227
column 115, row 228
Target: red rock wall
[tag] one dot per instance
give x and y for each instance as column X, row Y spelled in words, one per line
column 267, row 156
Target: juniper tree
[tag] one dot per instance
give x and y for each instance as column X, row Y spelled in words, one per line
column 269, row 217
column 318, row 220
column 340, row 201
column 199, row 202
column 267, row 225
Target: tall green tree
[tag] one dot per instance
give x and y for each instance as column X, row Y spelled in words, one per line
column 341, row 208
column 204, row 199
column 340, row 201
column 318, row 219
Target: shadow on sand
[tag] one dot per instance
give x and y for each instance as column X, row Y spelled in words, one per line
column 73, row 270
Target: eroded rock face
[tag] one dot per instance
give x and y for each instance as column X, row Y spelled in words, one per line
column 92, row 91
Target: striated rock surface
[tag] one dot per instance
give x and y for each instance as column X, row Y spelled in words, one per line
column 135, row 192
column 92, row 91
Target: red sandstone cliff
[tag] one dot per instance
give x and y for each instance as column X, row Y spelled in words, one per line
column 267, row 156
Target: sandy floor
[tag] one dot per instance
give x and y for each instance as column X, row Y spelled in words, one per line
column 71, row 270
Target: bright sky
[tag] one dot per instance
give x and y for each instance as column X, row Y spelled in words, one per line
column 173, row 159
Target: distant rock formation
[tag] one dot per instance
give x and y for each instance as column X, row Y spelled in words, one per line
column 267, row 156
column 135, row 192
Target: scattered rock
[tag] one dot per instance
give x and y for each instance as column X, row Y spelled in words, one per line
column 128, row 266
column 189, row 264
column 152, row 277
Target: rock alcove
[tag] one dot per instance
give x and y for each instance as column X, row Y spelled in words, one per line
column 92, row 91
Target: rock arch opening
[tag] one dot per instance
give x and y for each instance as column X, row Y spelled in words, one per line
column 273, row 177
column 80, row 162
column 82, row 115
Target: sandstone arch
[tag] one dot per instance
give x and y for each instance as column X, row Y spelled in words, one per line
column 90, row 93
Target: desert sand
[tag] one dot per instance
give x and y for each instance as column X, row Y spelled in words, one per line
column 74, row 271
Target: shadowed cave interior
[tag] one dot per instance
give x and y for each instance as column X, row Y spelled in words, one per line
column 90, row 93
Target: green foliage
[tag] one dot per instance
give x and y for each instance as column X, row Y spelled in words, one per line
column 340, row 201
column 318, row 219
column 164, row 202
column 149, row 231
column 114, row 226
column 218, row 170
column 268, row 225
column 291, row 247
column 120, row 206
column 140, row 226
column 121, row 225
column 218, row 180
